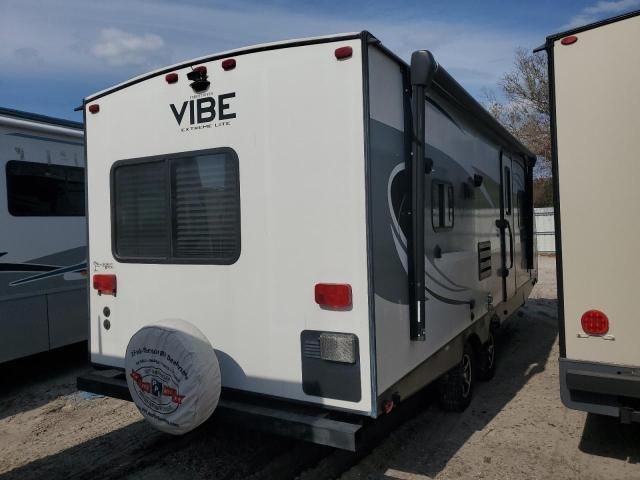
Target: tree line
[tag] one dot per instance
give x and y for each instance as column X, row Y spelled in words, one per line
column 524, row 111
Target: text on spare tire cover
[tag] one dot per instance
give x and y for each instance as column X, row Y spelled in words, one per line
column 156, row 378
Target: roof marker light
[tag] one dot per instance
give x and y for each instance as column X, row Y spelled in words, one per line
column 171, row 77
column 343, row 53
column 594, row 322
column 94, row 108
column 570, row 40
column 229, row 64
column 199, row 69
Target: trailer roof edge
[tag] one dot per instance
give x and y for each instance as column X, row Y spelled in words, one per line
column 588, row 26
column 542, row 47
column 236, row 52
column 442, row 79
column 36, row 117
column 450, row 87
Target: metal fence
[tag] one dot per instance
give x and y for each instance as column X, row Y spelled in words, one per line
column 545, row 231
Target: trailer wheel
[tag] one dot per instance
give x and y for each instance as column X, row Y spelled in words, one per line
column 486, row 362
column 456, row 386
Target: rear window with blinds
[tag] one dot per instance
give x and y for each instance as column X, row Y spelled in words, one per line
column 177, row 209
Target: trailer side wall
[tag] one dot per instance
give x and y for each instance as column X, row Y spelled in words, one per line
column 597, row 115
column 43, row 303
column 458, row 295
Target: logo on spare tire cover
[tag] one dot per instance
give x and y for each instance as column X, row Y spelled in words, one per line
column 157, row 389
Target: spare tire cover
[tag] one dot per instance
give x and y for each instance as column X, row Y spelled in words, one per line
column 173, row 375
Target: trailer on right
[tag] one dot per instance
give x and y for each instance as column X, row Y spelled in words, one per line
column 594, row 88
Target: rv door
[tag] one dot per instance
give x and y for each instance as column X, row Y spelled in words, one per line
column 506, row 227
column 520, row 226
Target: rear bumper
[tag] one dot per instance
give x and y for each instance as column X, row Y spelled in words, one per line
column 600, row 388
column 312, row 424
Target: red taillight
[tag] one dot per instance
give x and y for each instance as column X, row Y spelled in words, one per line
column 570, row 40
column 105, row 284
column 333, row 295
column 171, row 77
column 229, row 64
column 94, row 108
column 594, row 322
column 343, row 52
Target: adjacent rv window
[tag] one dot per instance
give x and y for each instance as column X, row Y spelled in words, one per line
column 44, row 189
column 442, row 205
column 178, row 209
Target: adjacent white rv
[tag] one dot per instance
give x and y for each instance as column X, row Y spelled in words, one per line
column 594, row 82
column 339, row 227
column 43, row 234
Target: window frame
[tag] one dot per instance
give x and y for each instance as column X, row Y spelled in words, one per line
column 12, row 212
column 434, row 184
column 166, row 159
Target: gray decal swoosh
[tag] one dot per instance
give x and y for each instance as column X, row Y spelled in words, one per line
column 26, row 267
column 450, row 301
column 460, row 288
column 400, row 248
column 401, row 241
column 78, row 267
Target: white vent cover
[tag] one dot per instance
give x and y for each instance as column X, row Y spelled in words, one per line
column 173, row 375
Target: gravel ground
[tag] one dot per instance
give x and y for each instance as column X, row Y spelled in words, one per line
column 515, row 428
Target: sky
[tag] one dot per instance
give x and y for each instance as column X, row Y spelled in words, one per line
column 53, row 53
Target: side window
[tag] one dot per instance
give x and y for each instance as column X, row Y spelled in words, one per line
column 442, row 207
column 44, row 190
column 507, row 191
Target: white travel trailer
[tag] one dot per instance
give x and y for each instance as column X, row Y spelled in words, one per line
column 259, row 203
column 594, row 111
column 43, row 241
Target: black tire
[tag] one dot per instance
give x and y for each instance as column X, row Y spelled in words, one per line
column 456, row 386
column 486, row 362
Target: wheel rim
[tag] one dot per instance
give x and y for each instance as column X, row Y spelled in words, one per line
column 466, row 375
column 491, row 351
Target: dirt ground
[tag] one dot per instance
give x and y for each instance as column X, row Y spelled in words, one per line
column 515, row 428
